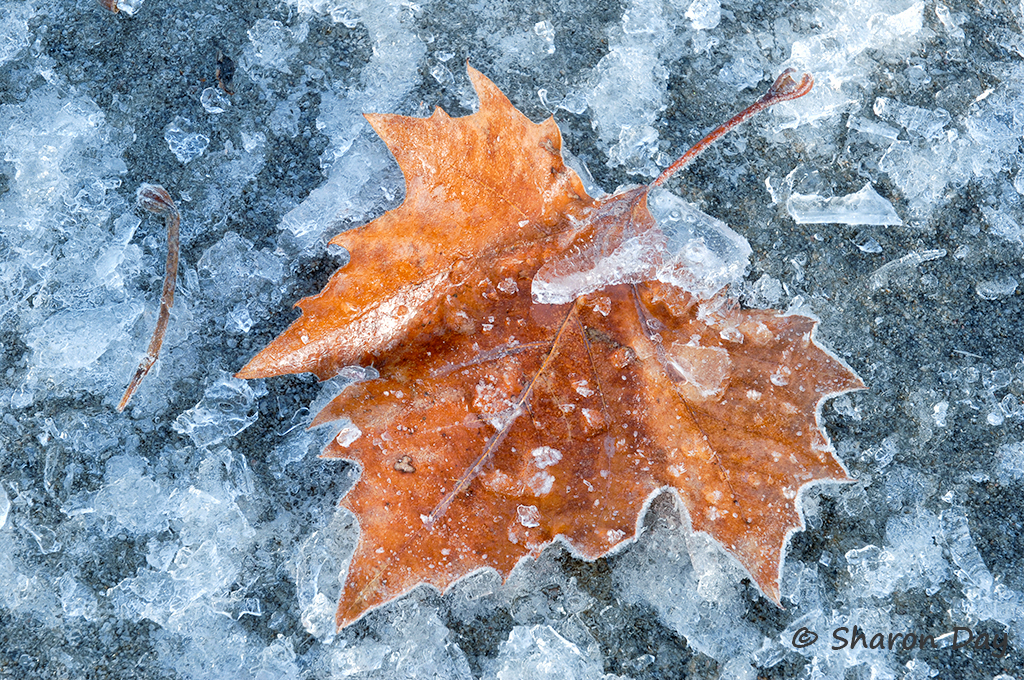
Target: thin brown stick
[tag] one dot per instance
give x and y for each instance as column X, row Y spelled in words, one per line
column 155, row 199
column 783, row 89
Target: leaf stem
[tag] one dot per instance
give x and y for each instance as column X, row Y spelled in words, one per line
column 155, row 199
column 783, row 89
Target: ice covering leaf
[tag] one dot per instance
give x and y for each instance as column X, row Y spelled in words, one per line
column 498, row 422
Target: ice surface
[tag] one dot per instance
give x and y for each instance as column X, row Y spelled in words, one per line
column 170, row 543
column 862, row 207
column 689, row 249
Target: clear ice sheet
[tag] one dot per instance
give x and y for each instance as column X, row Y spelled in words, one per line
column 198, row 535
column 688, row 248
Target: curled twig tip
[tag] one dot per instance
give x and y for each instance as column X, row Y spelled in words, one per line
column 785, row 87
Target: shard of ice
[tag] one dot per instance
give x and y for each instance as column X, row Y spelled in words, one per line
column 865, row 207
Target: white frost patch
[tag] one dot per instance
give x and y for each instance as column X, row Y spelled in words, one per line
column 543, row 456
column 489, row 399
column 541, row 483
column 582, row 388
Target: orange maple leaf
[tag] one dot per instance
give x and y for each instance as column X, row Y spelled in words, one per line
column 498, row 424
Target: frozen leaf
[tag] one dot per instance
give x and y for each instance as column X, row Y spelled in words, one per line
column 498, row 423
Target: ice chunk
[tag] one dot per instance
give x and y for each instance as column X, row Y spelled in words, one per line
column 228, row 407
column 76, row 599
column 130, row 501
column 411, row 643
column 973, row 572
column 704, row 14
column 862, row 207
column 764, row 293
column 882, row 276
column 1011, row 464
column 951, row 22
column 996, row 289
column 5, row 506
column 13, row 30
column 320, row 567
column 705, row 254
column 284, row 120
column 866, row 243
column 872, row 127
column 273, row 44
column 233, row 266
column 108, row 265
column 355, row 162
column 692, row 585
column 278, row 661
column 213, row 101
column 630, row 82
column 692, row 250
column 1002, row 224
column 539, row 652
column 925, row 122
column 129, row 7
column 185, row 144
column 836, row 55
column 76, row 338
column 546, row 32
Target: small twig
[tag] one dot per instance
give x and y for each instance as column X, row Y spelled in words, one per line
column 783, row 89
column 155, row 199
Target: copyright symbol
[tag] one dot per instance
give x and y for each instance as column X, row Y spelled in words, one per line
column 804, row 638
